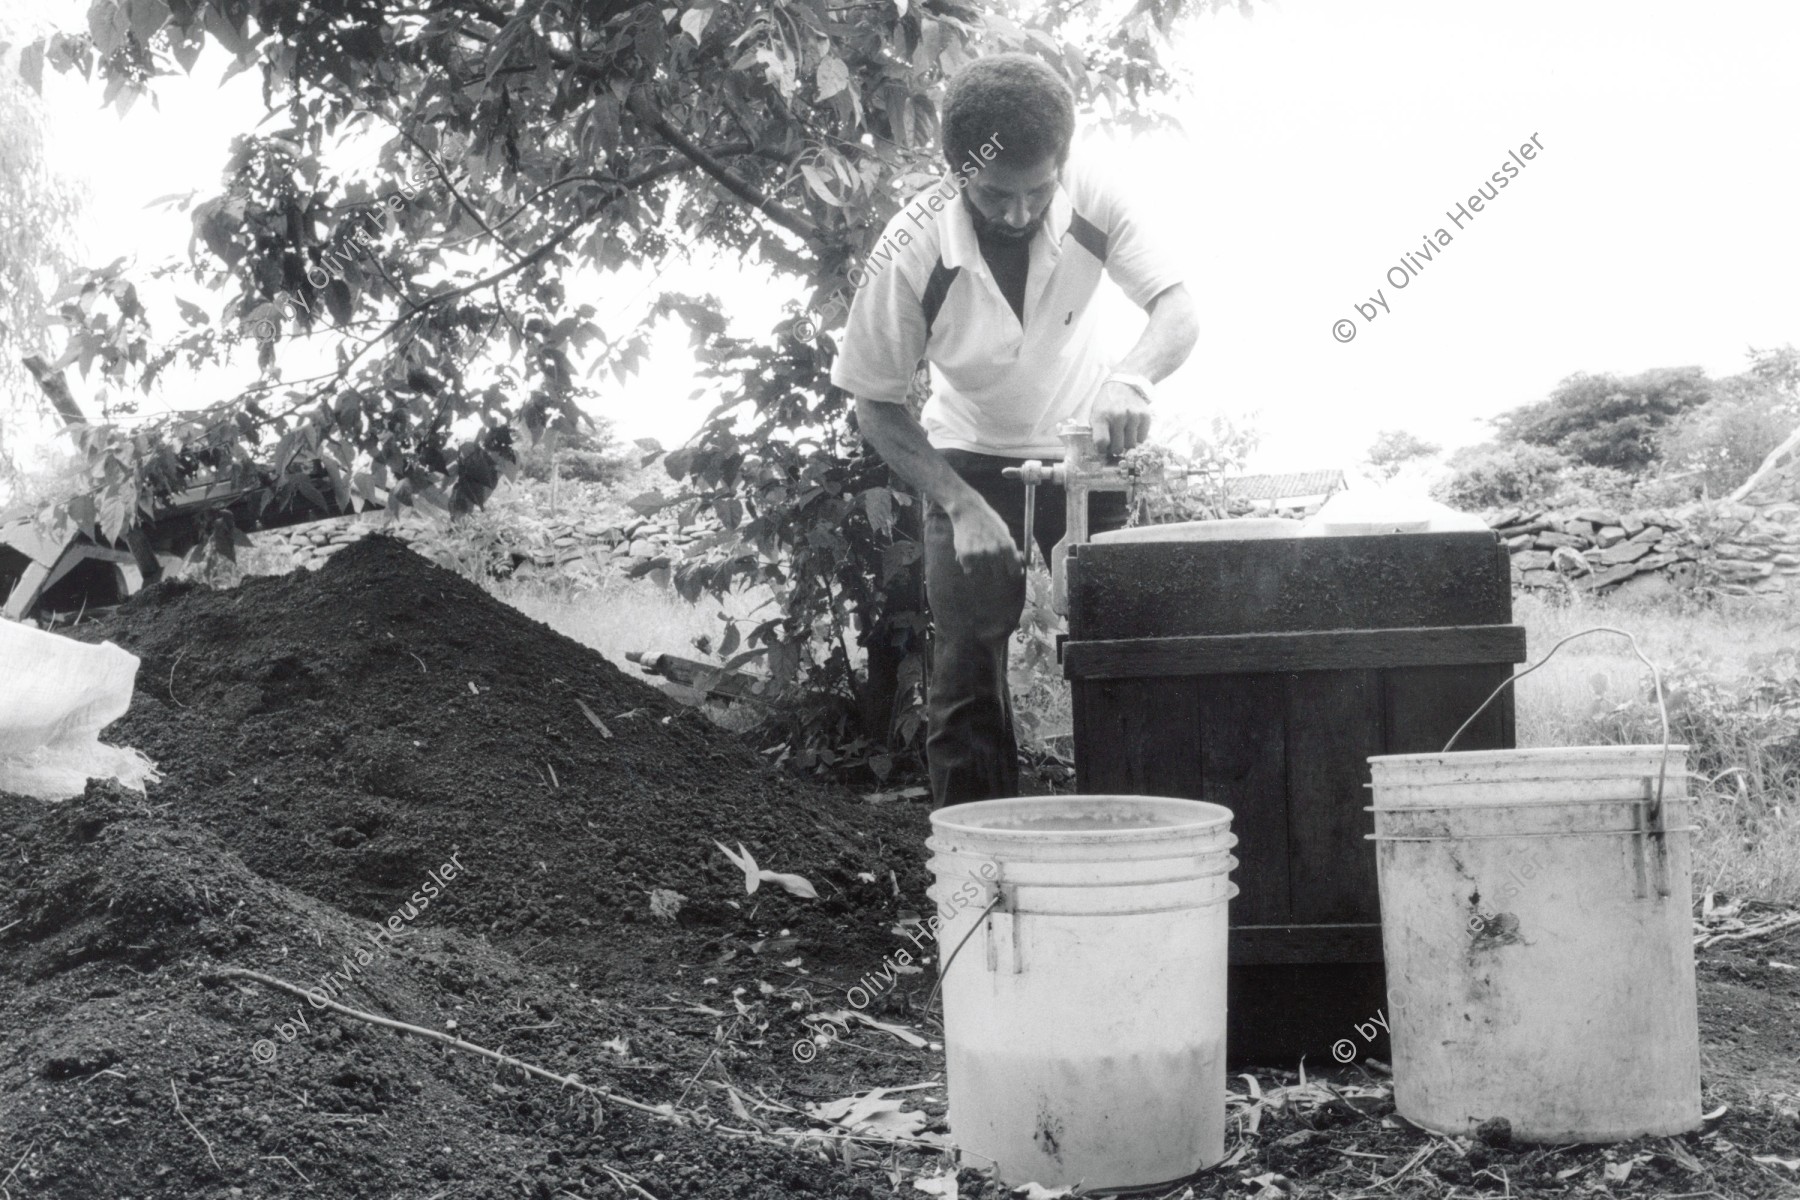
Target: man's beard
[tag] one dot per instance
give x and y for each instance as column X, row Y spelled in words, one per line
column 1000, row 229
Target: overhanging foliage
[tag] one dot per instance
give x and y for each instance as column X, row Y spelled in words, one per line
column 538, row 138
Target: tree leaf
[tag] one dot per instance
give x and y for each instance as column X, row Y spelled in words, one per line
column 115, row 513
column 648, row 503
column 108, row 24
column 31, row 66
column 694, row 22
column 815, row 179
column 879, row 502
column 745, row 863
column 83, row 512
column 338, row 302
column 832, row 76
column 896, row 557
column 222, row 27
column 780, row 69
column 747, row 656
column 187, row 45
column 795, row 884
column 146, row 17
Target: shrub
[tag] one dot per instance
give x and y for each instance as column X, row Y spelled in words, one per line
column 1394, row 450
column 1671, row 489
column 1587, row 486
column 1607, row 421
column 1040, row 696
column 583, row 456
column 1720, row 444
column 1189, row 485
column 1496, row 474
column 1501, row 474
column 482, row 544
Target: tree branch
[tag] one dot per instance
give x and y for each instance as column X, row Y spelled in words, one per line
column 445, row 176
column 641, row 108
column 674, row 166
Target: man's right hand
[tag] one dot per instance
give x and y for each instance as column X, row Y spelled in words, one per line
column 983, row 541
column 982, row 538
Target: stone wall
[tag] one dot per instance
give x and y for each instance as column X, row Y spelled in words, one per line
column 1595, row 549
column 1747, row 548
column 1758, row 549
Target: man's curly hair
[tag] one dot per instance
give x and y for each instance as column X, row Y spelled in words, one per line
column 1017, row 97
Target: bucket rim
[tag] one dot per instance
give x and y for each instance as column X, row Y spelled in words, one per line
column 1529, row 754
column 1205, row 817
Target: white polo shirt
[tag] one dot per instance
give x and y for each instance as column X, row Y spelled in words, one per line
column 998, row 387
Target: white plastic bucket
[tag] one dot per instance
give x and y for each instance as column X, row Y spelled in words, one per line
column 1535, row 917
column 1084, row 1018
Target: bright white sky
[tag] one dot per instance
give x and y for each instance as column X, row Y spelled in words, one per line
column 1324, row 140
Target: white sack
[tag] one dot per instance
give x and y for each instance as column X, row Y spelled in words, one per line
column 56, row 695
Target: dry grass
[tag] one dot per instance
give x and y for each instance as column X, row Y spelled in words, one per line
column 1731, row 688
column 1556, row 703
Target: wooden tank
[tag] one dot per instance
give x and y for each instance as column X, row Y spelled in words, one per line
column 1261, row 675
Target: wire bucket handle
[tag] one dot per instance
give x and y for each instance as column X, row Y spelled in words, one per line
column 1662, row 706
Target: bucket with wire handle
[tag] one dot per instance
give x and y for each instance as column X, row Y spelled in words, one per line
column 1535, row 911
column 1084, row 966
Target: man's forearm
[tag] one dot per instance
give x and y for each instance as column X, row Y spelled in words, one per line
column 1168, row 338
column 901, row 442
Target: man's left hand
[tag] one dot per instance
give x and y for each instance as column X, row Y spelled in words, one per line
column 1121, row 419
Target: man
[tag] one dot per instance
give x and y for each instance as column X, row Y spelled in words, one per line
column 993, row 287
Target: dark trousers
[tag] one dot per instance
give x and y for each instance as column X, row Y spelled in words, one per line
column 970, row 749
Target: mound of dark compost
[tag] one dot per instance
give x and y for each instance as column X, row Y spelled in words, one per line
column 329, row 741
column 133, row 1065
column 346, row 731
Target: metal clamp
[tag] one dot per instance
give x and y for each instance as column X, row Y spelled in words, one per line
column 1006, row 905
column 1081, row 473
column 1031, row 473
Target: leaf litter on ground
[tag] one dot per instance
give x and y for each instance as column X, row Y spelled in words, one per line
column 842, row 1016
column 754, row 876
column 593, row 718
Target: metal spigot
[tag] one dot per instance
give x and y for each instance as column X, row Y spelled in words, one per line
column 1081, row 472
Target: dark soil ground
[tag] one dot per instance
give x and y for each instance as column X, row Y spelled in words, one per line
column 329, row 740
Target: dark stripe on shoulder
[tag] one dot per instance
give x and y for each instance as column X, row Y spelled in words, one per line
column 936, row 288
column 1088, row 235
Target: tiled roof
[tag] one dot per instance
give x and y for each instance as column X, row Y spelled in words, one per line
column 1284, row 487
